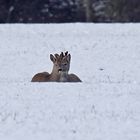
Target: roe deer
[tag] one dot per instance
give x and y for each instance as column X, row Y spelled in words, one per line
column 61, row 66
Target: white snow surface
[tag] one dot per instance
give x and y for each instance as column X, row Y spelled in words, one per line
column 105, row 106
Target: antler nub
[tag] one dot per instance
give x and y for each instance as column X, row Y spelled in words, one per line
column 61, row 56
column 56, row 55
column 66, row 53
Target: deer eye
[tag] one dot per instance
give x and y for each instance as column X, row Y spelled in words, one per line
column 65, row 64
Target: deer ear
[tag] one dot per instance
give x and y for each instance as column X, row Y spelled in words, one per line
column 52, row 58
column 68, row 57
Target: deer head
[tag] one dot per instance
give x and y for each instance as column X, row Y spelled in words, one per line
column 61, row 63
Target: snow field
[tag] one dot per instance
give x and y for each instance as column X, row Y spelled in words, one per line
column 104, row 106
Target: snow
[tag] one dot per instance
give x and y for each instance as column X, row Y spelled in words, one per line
column 105, row 106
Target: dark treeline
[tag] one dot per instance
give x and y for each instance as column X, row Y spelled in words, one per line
column 58, row 11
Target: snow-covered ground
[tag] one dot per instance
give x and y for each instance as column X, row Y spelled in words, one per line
column 105, row 106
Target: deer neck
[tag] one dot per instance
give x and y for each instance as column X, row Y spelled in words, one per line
column 63, row 77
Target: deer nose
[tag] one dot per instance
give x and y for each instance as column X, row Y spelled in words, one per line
column 59, row 69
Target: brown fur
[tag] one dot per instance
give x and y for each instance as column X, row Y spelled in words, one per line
column 59, row 72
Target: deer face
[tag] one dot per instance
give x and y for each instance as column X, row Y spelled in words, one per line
column 61, row 62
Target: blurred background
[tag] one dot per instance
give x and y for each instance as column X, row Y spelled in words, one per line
column 62, row 11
